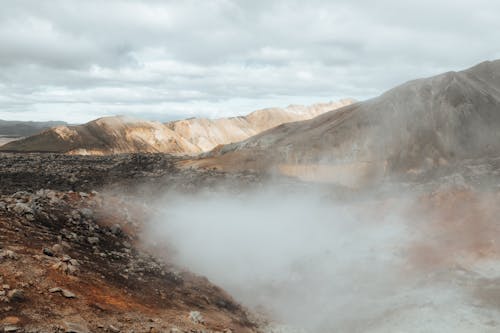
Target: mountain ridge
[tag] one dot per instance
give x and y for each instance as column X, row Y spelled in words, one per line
column 414, row 127
column 120, row 134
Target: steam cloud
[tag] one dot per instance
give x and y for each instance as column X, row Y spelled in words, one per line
column 320, row 265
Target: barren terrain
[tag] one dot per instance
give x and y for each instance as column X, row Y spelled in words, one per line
column 85, row 238
column 84, row 243
column 87, row 274
column 381, row 216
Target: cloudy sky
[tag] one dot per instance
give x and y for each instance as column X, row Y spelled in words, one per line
column 78, row 60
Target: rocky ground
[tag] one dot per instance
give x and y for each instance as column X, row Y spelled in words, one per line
column 69, row 256
column 71, row 260
column 70, row 263
column 133, row 173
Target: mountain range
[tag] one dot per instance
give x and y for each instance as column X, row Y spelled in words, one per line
column 113, row 135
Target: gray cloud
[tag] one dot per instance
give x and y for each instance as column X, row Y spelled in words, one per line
column 74, row 60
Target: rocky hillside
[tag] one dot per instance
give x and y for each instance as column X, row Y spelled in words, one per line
column 115, row 135
column 412, row 128
column 73, row 258
column 71, row 263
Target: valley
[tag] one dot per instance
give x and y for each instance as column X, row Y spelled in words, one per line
column 338, row 217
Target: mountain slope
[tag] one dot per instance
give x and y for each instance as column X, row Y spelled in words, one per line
column 109, row 135
column 94, row 272
column 209, row 133
column 113, row 135
column 411, row 128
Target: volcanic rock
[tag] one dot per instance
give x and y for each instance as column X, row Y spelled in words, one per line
column 16, row 295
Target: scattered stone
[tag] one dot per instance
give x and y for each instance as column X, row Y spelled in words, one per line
column 93, row 240
column 48, row 252
column 67, row 265
column 196, row 317
column 75, row 215
column 16, row 295
column 68, row 294
column 87, row 213
column 116, row 229
column 7, row 254
column 22, row 208
column 11, row 328
column 71, row 269
column 114, row 329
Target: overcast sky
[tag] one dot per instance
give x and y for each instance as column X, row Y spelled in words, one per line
column 78, row 60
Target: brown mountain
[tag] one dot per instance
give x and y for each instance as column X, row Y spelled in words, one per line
column 112, row 135
column 410, row 129
column 209, row 133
